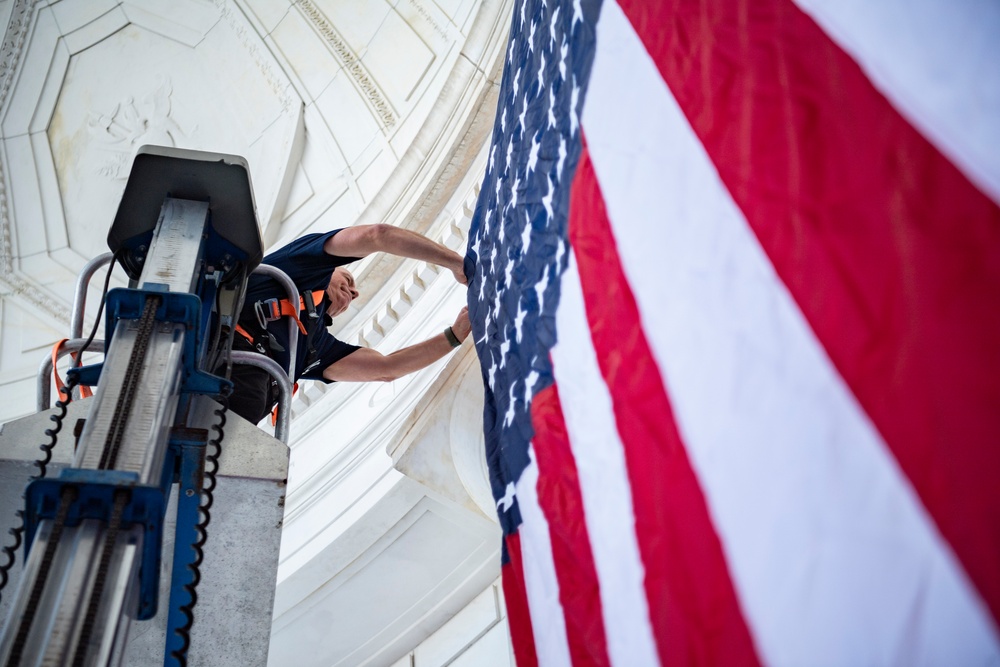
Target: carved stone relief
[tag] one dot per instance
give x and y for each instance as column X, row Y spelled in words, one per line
column 132, row 123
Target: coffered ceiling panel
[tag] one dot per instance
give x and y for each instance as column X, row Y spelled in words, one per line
column 132, row 86
column 85, row 99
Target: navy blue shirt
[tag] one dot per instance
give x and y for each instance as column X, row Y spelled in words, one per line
column 309, row 267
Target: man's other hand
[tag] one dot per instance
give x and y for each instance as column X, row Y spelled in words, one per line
column 462, row 326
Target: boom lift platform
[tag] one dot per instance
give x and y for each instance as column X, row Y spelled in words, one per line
column 186, row 234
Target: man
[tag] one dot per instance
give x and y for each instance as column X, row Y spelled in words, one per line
column 315, row 264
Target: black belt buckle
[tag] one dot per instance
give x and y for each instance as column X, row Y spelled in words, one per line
column 273, row 311
column 307, row 301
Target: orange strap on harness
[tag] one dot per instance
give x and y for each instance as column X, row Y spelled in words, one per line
column 273, row 309
column 243, row 332
column 60, row 385
column 278, row 308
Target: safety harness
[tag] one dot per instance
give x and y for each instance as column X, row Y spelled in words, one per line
column 269, row 310
column 273, row 309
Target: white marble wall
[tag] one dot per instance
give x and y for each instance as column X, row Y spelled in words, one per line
column 477, row 636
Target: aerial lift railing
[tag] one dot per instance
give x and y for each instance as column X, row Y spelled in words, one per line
column 91, row 267
column 76, row 343
column 80, row 294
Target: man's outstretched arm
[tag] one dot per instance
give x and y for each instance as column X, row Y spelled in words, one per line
column 366, row 364
column 362, row 240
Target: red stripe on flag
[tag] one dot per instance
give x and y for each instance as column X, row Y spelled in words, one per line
column 694, row 611
column 560, row 499
column 516, row 599
column 891, row 253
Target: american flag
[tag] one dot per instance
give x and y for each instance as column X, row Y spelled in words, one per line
column 735, row 288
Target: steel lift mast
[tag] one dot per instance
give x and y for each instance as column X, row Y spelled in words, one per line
column 186, row 234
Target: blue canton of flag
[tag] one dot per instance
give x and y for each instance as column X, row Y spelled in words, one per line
column 518, row 247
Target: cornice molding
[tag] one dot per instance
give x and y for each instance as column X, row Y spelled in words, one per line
column 264, row 61
column 11, row 49
column 349, row 61
column 416, row 294
column 453, row 133
column 10, row 55
column 13, row 43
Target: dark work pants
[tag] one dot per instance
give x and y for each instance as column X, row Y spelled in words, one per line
column 254, row 391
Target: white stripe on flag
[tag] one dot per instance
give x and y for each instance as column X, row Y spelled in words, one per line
column 604, row 485
column 938, row 64
column 541, row 585
column 833, row 557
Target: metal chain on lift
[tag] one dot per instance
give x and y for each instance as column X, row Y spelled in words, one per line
column 10, row 551
column 212, row 458
column 97, row 591
column 65, row 398
column 109, row 455
column 184, row 632
column 66, row 499
column 126, row 398
column 108, row 458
